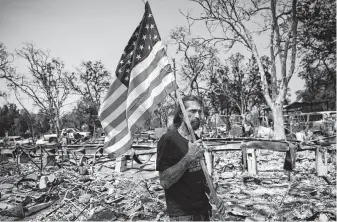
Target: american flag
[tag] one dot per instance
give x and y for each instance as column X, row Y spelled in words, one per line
column 143, row 79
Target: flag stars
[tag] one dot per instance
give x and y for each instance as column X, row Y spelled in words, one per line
column 140, row 43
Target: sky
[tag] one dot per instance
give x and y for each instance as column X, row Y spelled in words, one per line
column 83, row 30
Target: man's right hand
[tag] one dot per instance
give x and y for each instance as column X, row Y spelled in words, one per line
column 195, row 150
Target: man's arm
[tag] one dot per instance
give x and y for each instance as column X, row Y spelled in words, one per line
column 172, row 174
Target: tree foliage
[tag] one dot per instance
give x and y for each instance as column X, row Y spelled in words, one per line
column 317, row 40
column 84, row 113
column 8, row 114
column 164, row 110
column 87, row 114
column 91, row 81
column 237, row 86
column 17, row 122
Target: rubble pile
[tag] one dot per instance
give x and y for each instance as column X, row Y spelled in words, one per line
column 80, row 191
column 64, row 194
column 270, row 195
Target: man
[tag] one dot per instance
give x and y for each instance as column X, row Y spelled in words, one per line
column 180, row 172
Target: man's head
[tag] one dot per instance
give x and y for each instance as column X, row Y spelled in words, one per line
column 194, row 109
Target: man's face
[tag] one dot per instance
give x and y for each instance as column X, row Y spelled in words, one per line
column 194, row 112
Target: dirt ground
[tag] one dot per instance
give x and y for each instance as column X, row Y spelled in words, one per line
column 99, row 193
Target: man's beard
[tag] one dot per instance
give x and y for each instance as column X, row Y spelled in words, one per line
column 195, row 124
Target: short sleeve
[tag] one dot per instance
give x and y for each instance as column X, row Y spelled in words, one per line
column 166, row 154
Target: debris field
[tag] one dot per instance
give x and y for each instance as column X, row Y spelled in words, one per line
column 78, row 190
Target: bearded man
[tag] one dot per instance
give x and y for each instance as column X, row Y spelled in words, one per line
column 180, row 171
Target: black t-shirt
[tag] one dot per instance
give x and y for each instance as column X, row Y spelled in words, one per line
column 186, row 196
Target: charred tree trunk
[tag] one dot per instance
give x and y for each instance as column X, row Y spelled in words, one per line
column 278, row 122
column 57, row 125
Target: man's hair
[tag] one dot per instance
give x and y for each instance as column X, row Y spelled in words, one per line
column 177, row 120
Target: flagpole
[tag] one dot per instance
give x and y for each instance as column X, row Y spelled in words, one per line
column 203, row 165
column 175, row 76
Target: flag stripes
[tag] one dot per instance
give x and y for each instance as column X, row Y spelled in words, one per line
column 158, row 61
column 145, row 84
column 117, row 148
column 143, row 79
column 146, row 94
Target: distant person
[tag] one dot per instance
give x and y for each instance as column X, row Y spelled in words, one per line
column 180, row 172
column 248, row 129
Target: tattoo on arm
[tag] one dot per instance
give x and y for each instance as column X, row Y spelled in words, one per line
column 172, row 175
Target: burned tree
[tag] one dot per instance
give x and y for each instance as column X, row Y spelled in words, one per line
column 6, row 59
column 240, row 21
column 45, row 82
column 199, row 60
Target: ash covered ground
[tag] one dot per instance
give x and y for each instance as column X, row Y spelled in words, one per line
column 80, row 193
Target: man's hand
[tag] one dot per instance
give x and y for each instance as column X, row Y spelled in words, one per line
column 195, row 150
column 219, row 205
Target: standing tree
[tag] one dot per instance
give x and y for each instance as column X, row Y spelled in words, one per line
column 41, row 123
column 164, row 110
column 317, row 41
column 91, row 81
column 240, row 21
column 27, row 119
column 45, row 82
column 8, row 114
column 199, row 60
column 239, row 84
column 86, row 113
